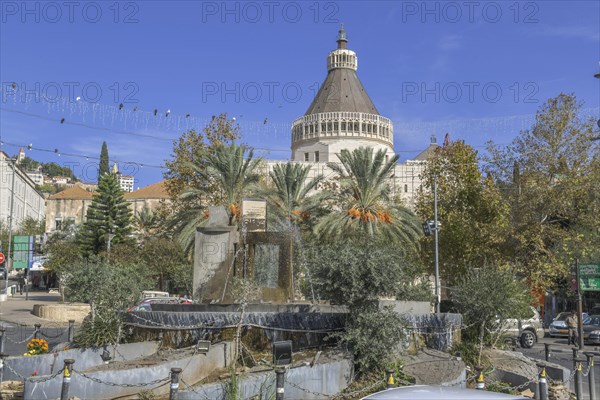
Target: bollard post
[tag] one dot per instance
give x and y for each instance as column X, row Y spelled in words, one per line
column 2, row 339
column 575, row 357
column 71, row 334
column 279, row 384
column 547, row 351
column 578, row 379
column 591, row 375
column 479, row 380
column 36, row 333
column 389, row 378
column 542, row 383
column 2, row 361
column 173, row 392
column 66, row 383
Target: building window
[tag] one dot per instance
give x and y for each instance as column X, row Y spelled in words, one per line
column 58, row 224
column 405, row 188
column 316, row 156
column 305, row 156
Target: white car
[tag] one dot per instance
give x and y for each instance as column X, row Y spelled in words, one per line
column 426, row 392
column 527, row 331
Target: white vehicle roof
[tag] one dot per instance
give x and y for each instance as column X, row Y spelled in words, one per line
column 425, row 392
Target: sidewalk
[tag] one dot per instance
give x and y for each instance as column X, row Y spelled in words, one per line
column 17, row 310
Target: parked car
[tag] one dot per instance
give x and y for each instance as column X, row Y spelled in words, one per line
column 591, row 329
column 595, row 311
column 146, row 304
column 426, row 392
column 527, row 331
column 154, row 293
column 558, row 327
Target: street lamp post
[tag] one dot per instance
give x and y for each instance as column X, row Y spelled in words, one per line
column 597, row 75
column 438, row 295
column 9, row 259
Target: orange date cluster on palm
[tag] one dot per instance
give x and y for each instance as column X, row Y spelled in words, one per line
column 303, row 215
column 368, row 216
column 235, row 210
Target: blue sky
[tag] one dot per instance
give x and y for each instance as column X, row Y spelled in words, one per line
column 478, row 70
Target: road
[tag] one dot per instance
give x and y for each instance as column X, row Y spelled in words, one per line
column 562, row 354
column 18, row 322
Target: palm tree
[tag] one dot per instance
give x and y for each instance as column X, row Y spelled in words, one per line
column 364, row 203
column 185, row 221
column 146, row 224
column 232, row 169
column 289, row 198
column 233, row 172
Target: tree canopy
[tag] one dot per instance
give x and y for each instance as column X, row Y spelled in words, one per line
column 364, row 205
column 473, row 213
column 108, row 218
column 549, row 174
column 103, row 167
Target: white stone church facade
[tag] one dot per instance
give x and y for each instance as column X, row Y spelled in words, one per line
column 342, row 116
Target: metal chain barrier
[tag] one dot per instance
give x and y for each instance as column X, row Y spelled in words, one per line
column 124, row 385
column 524, row 385
column 334, row 396
column 33, row 378
column 559, row 382
column 22, row 341
column 50, row 336
column 586, row 373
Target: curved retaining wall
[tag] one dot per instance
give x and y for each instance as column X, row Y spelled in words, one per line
column 102, row 382
column 47, row 364
column 301, row 383
column 61, row 312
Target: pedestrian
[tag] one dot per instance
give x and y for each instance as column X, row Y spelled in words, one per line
column 573, row 325
column 21, row 282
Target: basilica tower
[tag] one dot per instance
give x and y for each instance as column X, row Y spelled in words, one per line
column 342, row 115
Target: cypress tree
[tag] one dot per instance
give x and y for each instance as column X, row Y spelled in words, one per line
column 103, row 167
column 107, row 217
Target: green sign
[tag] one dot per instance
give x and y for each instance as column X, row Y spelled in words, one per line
column 589, row 277
column 589, row 270
column 22, row 251
column 590, row 284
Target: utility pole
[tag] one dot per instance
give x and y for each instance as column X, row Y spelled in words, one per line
column 438, row 296
column 579, row 307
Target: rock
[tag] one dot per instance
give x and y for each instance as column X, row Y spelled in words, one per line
column 528, row 393
column 432, row 367
column 559, row 392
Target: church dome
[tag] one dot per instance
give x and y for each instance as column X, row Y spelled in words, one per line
column 342, row 90
column 342, row 115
